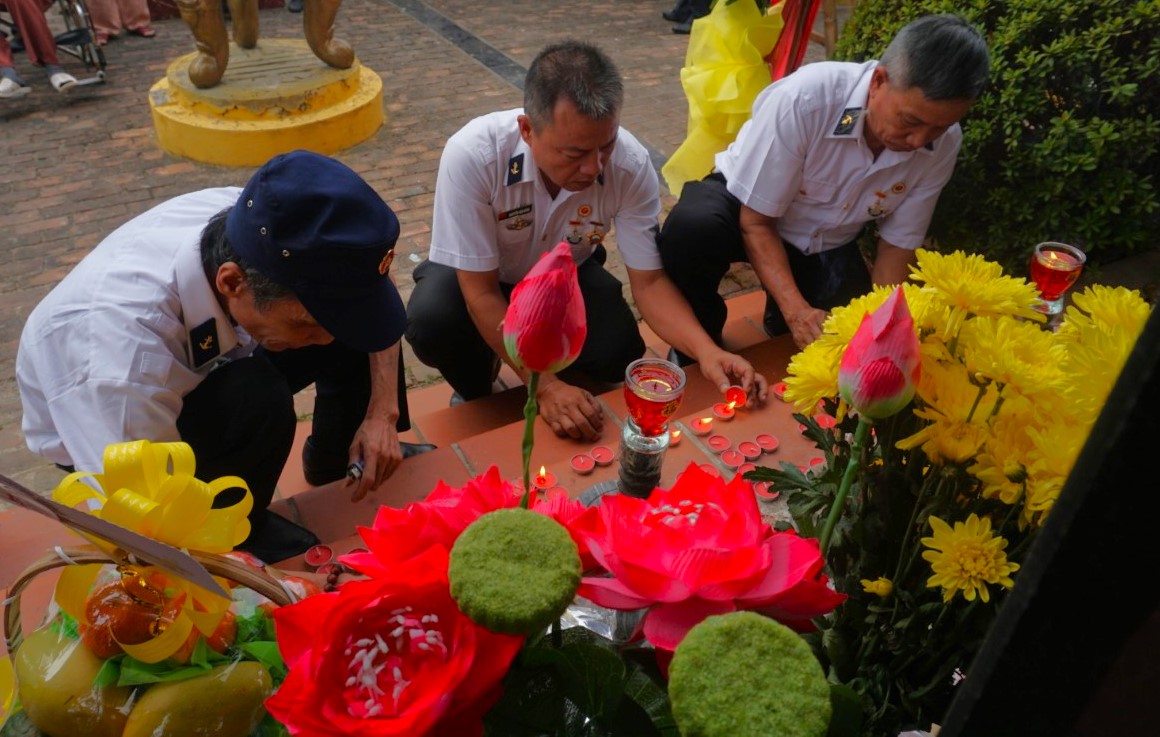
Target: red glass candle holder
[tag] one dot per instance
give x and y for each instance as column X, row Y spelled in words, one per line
column 1054, row 268
column 652, row 392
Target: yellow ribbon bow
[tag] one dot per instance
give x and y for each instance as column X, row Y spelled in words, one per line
column 150, row 488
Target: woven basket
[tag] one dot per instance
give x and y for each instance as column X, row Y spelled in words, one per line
column 228, row 568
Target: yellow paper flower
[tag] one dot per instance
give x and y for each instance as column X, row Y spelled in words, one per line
column 967, row 558
column 881, row 587
column 971, row 285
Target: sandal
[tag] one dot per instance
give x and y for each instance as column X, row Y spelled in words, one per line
column 143, row 31
column 62, row 82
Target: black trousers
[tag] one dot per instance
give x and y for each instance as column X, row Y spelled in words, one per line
column 701, row 237
column 443, row 336
column 240, row 420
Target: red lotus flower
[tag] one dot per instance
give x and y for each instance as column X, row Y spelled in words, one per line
column 880, row 367
column 388, row 657
column 544, row 328
column 400, row 534
column 699, row 549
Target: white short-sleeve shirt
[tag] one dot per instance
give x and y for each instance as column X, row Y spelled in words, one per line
column 802, row 158
column 109, row 355
column 492, row 210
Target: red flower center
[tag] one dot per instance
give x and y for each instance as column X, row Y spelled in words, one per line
column 383, row 663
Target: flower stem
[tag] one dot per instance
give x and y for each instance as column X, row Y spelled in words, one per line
column 860, row 435
column 531, row 409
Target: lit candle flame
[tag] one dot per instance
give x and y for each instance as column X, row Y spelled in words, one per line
column 730, row 406
column 706, row 420
column 676, row 434
column 543, row 473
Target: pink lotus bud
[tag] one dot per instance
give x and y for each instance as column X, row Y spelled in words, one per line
column 544, row 328
column 880, row 367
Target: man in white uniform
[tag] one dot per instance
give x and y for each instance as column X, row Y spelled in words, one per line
column 828, row 149
column 511, row 186
column 198, row 321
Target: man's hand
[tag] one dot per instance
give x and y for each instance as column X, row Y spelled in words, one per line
column 377, row 444
column 570, row 411
column 725, row 369
column 806, row 325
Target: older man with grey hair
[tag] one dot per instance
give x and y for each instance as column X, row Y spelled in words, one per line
column 827, row 150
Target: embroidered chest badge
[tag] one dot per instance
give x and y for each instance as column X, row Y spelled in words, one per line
column 203, row 343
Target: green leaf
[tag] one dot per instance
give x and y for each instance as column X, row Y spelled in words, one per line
column 846, row 712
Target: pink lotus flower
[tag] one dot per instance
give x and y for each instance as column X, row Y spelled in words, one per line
column 389, row 657
column 880, row 367
column 398, row 535
column 700, row 549
column 544, row 328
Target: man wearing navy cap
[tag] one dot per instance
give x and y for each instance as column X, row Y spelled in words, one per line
column 201, row 318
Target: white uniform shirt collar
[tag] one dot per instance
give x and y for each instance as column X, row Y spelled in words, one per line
column 199, row 305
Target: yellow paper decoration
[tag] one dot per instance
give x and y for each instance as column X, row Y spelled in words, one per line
column 7, row 689
column 150, row 488
column 724, row 71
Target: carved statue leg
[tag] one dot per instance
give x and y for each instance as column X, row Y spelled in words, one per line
column 204, row 18
column 245, row 17
column 318, row 26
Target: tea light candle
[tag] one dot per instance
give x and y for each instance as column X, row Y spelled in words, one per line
column 582, row 463
column 751, row 450
column 701, row 425
column 602, row 454
column 544, row 479
column 825, row 421
column 327, row 568
column 318, row 555
column 675, row 437
column 357, row 551
column 817, row 461
column 761, row 488
column 802, row 428
column 745, row 468
column 557, row 490
column 736, row 396
column 779, row 390
column 710, row 469
column 732, row 458
column 766, row 442
column 724, row 410
column 718, row 443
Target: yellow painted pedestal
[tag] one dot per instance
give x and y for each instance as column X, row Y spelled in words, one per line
column 274, row 98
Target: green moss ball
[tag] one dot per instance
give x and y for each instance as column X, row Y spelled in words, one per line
column 745, row 675
column 514, row 571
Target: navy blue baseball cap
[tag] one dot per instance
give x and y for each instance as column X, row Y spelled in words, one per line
column 313, row 225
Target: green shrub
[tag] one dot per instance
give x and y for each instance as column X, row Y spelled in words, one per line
column 1065, row 143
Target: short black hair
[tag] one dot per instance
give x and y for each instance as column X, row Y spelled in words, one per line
column 216, row 250
column 577, row 71
column 942, row 55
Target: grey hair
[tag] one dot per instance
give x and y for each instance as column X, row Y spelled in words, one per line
column 942, row 55
column 576, row 71
column 216, row 250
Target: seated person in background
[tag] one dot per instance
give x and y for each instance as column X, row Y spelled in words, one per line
column 198, row 321
column 829, row 148
column 511, row 186
column 28, row 15
column 110, row 16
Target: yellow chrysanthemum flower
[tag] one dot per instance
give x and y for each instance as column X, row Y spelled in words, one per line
column 967, row 558
column 1114, row 309
column 1002, row 464
column 971, row 285
column 813, row 375
column 1018, row 355
column 958, row 411
column 882, row 587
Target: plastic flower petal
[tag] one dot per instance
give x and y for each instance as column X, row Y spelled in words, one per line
column 696, row 550
column 544, row 328
column 880, row 368
column 967, row 558
column 881, row 587
column 388, row 657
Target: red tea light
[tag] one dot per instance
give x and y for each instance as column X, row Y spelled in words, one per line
column 761, row 488
column 766, row 442
column 545, row 479
column 556, row 490
column 357, row 551
column 710, row 469
column 732, row 458
column 745, row 468
column 803, row 468
column 718, row 443
column 802, row 428
column 318, row 555
column 602, row 454
column 701, row 425
column 724, row 410
column 675, row 437
column 751, row 450
column 779, row 390
column 817, row 462
column 582, row 463
column 825, row 421
column 736, row 396
column 328, row 568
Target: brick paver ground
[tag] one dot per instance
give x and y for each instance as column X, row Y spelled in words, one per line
column 72, row 168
